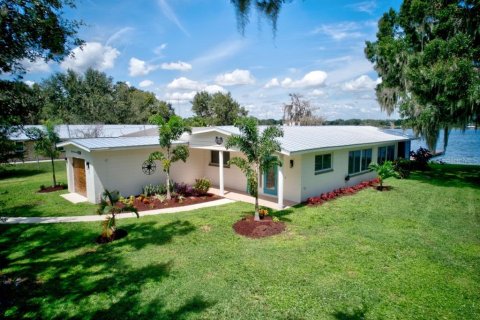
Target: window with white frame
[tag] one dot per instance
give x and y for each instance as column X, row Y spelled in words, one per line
column 386, row 153
column 359, row 160
column 323, row 163
column 215, row 158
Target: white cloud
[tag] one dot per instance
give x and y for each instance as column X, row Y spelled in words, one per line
column 236, row 77
column 223, row 50
column 364, row 6
column 91, row 55
column 363, row 82
column 318, row 93
column 181, row 96
column 340, row 31
column 179, row 65
column 312, row 79
column 37, row 65
column 272, row 83
column 139, row 67
column 159, row 50
column 185, row 84
column 214, row 89
column 29, row 83
column 145, row 83
column 119, row 36
column 170, row 14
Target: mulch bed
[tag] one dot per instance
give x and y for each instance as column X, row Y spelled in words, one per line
column 52, row 189
column 152, row 203
column 118, row 234
column 266, row 227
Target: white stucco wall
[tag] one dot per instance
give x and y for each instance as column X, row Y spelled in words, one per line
column 314, row 185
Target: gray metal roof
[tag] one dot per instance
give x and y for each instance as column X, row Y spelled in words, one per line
column 304, row 138
column 86, row 130
column 96, row 144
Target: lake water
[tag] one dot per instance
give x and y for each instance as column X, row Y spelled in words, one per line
column 462, row 148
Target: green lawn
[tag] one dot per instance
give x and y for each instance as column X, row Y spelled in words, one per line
column 409, row 253
column 18, row 191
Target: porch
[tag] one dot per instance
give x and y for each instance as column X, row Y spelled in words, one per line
column 263, row 200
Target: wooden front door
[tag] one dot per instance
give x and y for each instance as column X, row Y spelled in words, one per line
column 79, row 176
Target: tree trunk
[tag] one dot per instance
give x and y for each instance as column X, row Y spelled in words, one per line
column 53, row 172
column 169, row 196
column 257, row 214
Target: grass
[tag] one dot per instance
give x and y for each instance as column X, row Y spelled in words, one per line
column 409, row 253
column 18, row 191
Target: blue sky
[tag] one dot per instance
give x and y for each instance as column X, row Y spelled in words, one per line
column 175, row 48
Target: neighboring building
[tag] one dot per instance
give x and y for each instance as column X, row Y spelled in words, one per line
column 315, row 160
column 26, row 151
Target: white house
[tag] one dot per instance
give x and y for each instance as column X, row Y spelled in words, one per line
column 315, row 160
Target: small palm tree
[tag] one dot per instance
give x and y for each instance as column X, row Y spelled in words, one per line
column 258, row 150
column 45, row 143
column 384, row 170
column 108, row 206
column 169, row 131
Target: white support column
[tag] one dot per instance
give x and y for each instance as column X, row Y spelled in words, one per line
column 280, row 186
column 220, row 172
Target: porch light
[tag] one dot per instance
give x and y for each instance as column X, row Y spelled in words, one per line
column 88, row 165
column 291, row 163
column 347, row 177
column 218, row 140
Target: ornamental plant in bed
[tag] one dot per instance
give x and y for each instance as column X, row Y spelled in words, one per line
column 327, row 196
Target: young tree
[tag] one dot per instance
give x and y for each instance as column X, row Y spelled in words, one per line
column 169, row 131
column 46, row 143
column 258, row 148
column 31, row 30
column 428, row 56
column 385, row 170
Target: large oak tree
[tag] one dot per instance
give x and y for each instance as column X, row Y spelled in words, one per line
column 428, row 56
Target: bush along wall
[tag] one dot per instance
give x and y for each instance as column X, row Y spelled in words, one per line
column 318, row 200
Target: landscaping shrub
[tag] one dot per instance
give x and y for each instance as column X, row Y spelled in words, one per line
column 183, row 189
column 151, row 189
column 201, row 186
column 421, row 158
column 403, row 167
column 318, row 200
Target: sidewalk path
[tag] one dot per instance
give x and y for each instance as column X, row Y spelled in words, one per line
column 17, row 220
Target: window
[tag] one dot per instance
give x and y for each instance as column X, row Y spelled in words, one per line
column 19, row 147
column 359, row 160
column 323, row 162
column 386, row 153
column 214, row 158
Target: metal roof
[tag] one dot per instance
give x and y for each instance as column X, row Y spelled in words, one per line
column 96, row 144
column 86, row 130
column 304, row 138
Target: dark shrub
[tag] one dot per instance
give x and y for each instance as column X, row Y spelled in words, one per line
column 183, row 189
column 403, row 167
column 421, row 158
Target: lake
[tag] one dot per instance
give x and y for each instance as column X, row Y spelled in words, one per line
column 463, row 146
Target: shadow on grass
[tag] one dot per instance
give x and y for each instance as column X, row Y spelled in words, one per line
column 50, row 272
column 356, row 314
column 19, row 173
column 449, row 176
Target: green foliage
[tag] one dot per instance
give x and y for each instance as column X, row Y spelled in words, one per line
column 45, row 143
column 420, row 158
column 169, row 131
column 35, row 30
column 258, row 148
column 92, row 97
column 385, row 170
column 427, row 55
column 216, row 109
column 151, row 189
column 403, row 167
column 201, row 186
column 19, row 105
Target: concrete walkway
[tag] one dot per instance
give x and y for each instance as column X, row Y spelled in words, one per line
column 18, row 220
